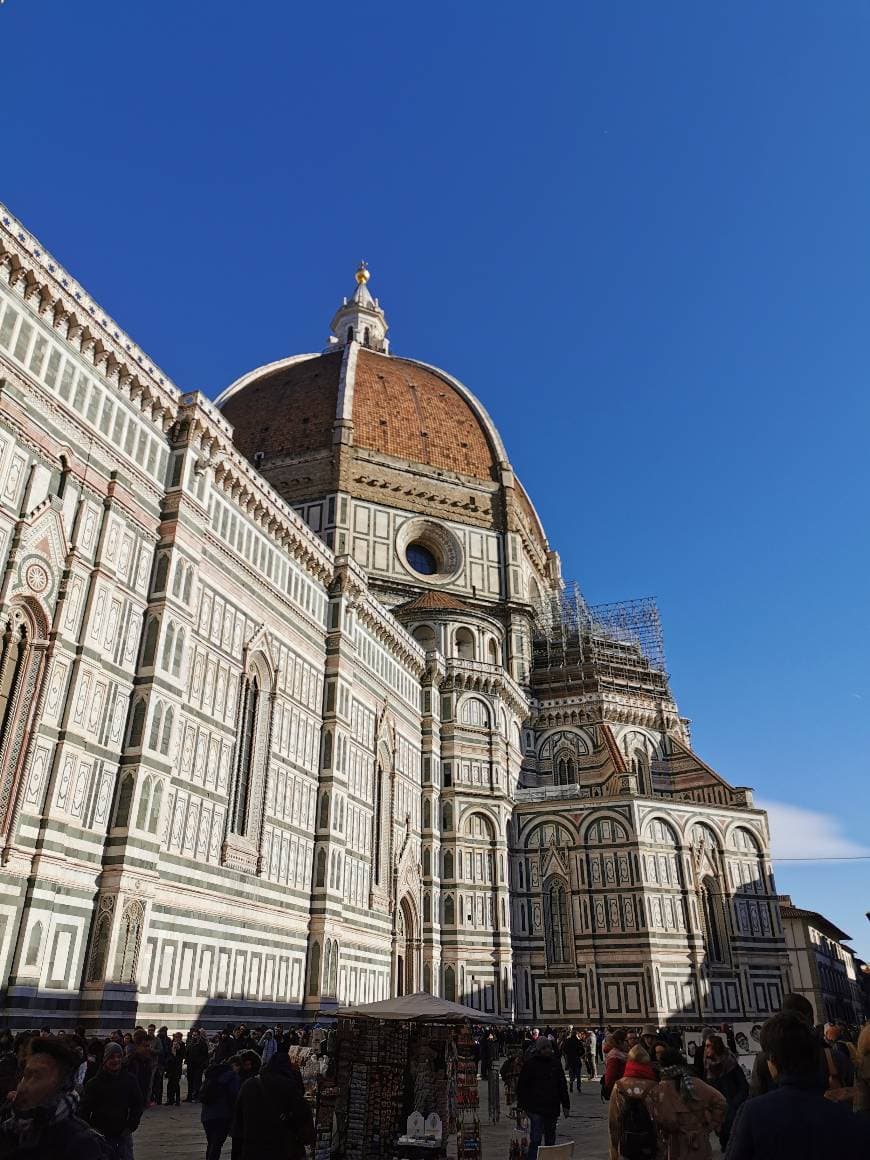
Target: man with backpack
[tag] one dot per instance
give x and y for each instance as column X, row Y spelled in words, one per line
column 632, row 1131
column 273, row 1120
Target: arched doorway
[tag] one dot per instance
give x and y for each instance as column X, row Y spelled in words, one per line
column 406, row 949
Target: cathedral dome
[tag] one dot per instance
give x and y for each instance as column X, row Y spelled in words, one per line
column 397, row 407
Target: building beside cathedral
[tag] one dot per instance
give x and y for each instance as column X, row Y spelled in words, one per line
column 296, row 708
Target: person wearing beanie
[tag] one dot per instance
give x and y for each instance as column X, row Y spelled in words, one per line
column 113, row 1102
column 40, row 1121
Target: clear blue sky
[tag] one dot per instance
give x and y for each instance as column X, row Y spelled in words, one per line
column 639, row 232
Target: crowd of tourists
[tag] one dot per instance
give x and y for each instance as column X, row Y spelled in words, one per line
column 808, row 1096
column 76, row 1097
column 82, row 1098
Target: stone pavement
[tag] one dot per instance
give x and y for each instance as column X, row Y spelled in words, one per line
column 176, row 1133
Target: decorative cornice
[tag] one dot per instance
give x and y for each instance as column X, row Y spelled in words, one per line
column 64, row 305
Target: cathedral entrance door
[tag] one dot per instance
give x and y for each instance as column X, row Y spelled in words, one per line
column 405, row 981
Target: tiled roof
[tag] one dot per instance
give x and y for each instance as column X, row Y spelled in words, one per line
column 289, row 411
column 412, row 413
column 432, row 601
column 400, row 409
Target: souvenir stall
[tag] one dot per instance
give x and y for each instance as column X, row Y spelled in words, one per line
column 406, row 1078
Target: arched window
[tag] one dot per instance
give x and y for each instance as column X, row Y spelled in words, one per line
column 450, row 984
column 449, row 910
column 144, row 802
column 149, row 646
column 166, row 738
column 137, row 724
column 178, row 655
column 427, row 814
column 562, row 772
column 100, row 949
column 125, row 801
column 188, row 585
column 571, row 770
column 350, row 334
column 129, row 941
column 427, row 907
column 464, row 641
column 161, row 573
column 177, row 578
column 556, row 923
column 168, row 646
column 33, row 945
column 320, row 875
column 427, row 863
column 447, row 817
column 156, row 802
column 324, row 812
column 713, row 929
column 246, row 755
column 314, row 970
column 367, row 336
column 448, row 864
column 333, row 970
column 427, row 978
column 156, row 722
column 424, row 635
column 21, row 666
column 492, row 651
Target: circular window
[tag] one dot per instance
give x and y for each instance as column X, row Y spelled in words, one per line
column 428, row 549
column 421, row 559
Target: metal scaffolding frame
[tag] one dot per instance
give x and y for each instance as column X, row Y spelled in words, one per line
column 566, row 622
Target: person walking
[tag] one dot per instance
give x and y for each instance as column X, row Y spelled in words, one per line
column 794, row 1121
column 174, row 1065
column 572, row 1053
column 724, row 1073
column 40, row 1121
column 272, row 1119
column 632, row 1129
column 541, row 1092
column 141, row 1063
column 112, row 1103
column 197, row 1061
column 589, row 1053
column 862, row 1072
column 220, row 1087
column 685, row 1110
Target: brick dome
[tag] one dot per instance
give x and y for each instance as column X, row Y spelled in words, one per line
column 399, row 408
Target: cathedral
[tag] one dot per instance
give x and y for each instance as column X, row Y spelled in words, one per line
column 297, row 709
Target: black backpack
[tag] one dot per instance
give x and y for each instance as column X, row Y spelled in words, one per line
column 637, row 1135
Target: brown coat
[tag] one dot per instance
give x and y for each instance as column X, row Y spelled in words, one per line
column 624, row 1089
column 684, row 1126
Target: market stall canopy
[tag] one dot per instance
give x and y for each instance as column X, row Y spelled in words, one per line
column 418, row 1008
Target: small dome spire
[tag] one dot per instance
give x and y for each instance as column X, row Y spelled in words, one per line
column 360, row 318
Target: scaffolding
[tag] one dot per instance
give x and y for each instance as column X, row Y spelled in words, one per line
column 616, row 645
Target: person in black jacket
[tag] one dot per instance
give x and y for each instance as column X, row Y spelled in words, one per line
column 219, row 1090
column 112, row 1103
column 273, row 1120
column 174, row 1064
column 541, row 1091
column 724, row 1073
column 197, row 1061
column 795, row 1121
column 573, row 1053
column 40, row 1123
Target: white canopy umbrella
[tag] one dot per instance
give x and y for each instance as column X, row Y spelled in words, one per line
column 418, row 1008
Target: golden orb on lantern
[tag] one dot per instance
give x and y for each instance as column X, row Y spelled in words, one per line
column 362, row 274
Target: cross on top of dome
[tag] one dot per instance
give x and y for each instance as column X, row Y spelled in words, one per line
column 360, row 318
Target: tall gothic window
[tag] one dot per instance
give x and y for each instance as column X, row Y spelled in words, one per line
column 20, row 667
column 556, row 923
column 713, row 932
column 132, row 921
column 246, row 755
